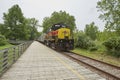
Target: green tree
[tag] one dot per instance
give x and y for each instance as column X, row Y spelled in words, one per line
column 91, row 30
column 113, row 46
column 14, row 23
column 83, row 41
column 46, row 24
column 59, row 17
column 104, row 35
column 2, row 28
column 110, row 13
column 3, row 40
column 32, row 25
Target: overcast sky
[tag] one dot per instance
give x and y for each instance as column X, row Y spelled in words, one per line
column 84, row 11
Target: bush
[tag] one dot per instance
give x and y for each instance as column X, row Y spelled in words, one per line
column 84, row 42
column 113, row 46
column 3, row 40
column 94, row 48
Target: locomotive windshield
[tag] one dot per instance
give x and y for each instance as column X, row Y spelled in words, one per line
column 57, row 26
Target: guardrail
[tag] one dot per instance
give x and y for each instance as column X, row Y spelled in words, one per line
column 9, row 55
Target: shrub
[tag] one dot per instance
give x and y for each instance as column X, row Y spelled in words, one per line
column 94, row 48
column 3, row 40
column 84, row 42
column 113, row 46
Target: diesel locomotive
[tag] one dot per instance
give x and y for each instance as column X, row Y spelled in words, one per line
column 59, row 37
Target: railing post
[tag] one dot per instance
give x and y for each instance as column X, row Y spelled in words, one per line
column 0, row 63
column 14, row 59
column 22, row 48
column 5, row 60
column 18, row 51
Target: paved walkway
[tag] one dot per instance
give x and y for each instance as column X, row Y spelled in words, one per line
column 39, row 62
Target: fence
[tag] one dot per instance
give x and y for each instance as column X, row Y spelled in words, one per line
column 10, row 55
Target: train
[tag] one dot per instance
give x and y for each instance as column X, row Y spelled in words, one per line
column 58, row 37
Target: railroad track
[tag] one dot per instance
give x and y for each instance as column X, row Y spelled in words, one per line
column 110, row 72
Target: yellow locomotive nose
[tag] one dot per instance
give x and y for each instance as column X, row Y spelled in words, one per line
column 63, row 33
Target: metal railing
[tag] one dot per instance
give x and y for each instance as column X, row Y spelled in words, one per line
column 9, row 55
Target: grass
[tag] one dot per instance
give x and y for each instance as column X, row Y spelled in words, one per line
column 6, row 46
column 99, row 55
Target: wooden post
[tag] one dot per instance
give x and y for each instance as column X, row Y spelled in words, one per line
column 14, row 57
column 5, row 60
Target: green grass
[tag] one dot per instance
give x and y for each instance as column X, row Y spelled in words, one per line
column 6, row 46
column 99, row 55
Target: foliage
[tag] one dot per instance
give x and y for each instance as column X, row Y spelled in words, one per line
column 93, row 48
column 46, row 24
column 3, row 40
column 59, row 17
column 17, row 27
column 6, row 46
column 110, row 13
column 76, row 34
column 32, row 25
column 102, row 36
column 91, row 30
column 14, row 22
column 1, row 28
column 113, row 46
column 82, row 41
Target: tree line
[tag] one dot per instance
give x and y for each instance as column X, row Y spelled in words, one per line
column 59, row 17
column 18, row 27
column 87, row 38
column 110, row 36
